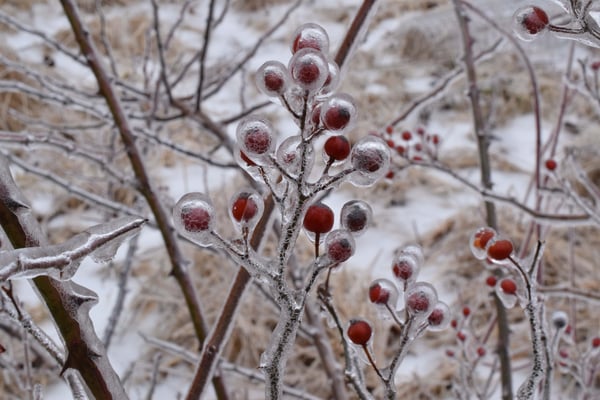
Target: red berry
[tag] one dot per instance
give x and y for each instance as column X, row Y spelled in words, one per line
column 450, row 353
column 596, row 342
column 400, row 150
column 454, row 323
column 420, row 131
column 244, row 208
column 378, row 294
column 359, row 332
column 563, row 353
column 340, row 248
column 551, row 165
column 403, row 269
column 436, row 317
column 481, row 237
column 435, row 139
column 406, row 135
column 500, row 249
column 535, row 21
column 336, row 117
column 491, row 281
column 255, row 136
column 318, row 218
column 390, row 143
column 195, row 219
column 418, row 147
column 508, row 286
column 418, row 302
column 307, row 73
column 480, row 351
column 337, row 147
column 466, row 311
column 390, row 174
column 389, row 129
column 461, row 336
column 356, row 216
column 595, row 65
column 274, row 82
column 311, row 36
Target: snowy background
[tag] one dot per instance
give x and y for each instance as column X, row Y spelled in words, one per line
column 410, row 47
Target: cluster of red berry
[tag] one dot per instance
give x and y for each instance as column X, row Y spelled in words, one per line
column 471, row 346
column 419, row 309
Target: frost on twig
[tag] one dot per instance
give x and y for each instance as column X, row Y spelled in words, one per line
column 61, row 261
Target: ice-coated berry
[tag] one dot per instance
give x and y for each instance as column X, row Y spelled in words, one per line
column 405, row 268
column 491, row 281
column 596, row 342
column 339, row 245
column 339, row 112
column 559, row 319
column 272, row 78
column 255, row 137
column 479, row 240
column 500, row 250
column 359, row 332
column 370, row 157
column 356, row 216
column 337, row 147
column 312, row 36
column 530, row 22
column 318, row 218
column 439, row 319
column 309, row 69
column 508, row 286
column 383, row 292
column 246, row 207
column 194, row 217
column 420, row 299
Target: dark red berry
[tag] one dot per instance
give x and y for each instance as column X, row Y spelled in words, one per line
column 336, row 117
column 491, row 281
column 244, row 208
column 500, row 249
column 596, row 342
column 508, row 286
column 389, row 129
column 551, row 165
column 535, row 21
column 258, row 141
column 378, row 294
column 595, row 65
column 418, row 302
column 454, row 323
column 318, row 218
column 356, row 220
column 306, row 72
column 461, row 336
column 340, row 250
column 480, row 351
column 466, row 311
column 359, row 332
column 195, row 219
column 274, row 81
column 406, row 135
column 436, row 317
column 403, row 269
column 450, row 353
column 337, row 147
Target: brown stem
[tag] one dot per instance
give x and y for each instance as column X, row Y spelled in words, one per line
column 483, row 143
column 85, row 351
column 178, row 271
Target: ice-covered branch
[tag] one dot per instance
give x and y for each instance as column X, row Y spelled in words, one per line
column 61, row 261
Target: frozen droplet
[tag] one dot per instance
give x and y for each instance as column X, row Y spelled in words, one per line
column 339, row 246
column 256, row 138
column 507, row 292
column 499, row 249
column 370, row 157
column 479, row 240
column 415, row 251
column 293, row 153
column 420, row 299
column 246, row 208
column 339, row 113
column 356, row 216
column 272, row 78
column 560, row 319
column 405, row 268
column 530, row 22
column 440, row 317
column 107, row 251
column 310, row 35
column 194, row 218
column 309, row 69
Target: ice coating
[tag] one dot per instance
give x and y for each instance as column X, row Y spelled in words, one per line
column 356, row 216
column 290, row 155
column 339, row 113
column 420, row 299
column 440, row 317
column 194, row 217
column 62, row 261
column 339, row 245
column 370, row 157
column 245, row 208
column 272, row 78
column 383, row 293
column 309, row 69
column 310, row 35
column 256, row 138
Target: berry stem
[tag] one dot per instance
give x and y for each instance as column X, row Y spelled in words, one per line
column 372, row 362
column 394, row 315
column 317, row 244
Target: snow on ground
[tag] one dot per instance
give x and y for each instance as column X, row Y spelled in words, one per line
column 420, row 213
